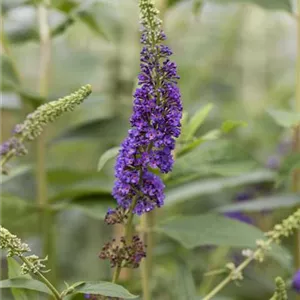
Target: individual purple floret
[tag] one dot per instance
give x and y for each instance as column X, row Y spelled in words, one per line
column 155, row 122
column 296, row 281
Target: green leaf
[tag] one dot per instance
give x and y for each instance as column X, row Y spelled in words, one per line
column 23, row 211
column 91, row 22
column 263, row 203
column 184, row 288
column 110, row 129
column 209, row 229
column 94, row 208
column 211, row 186
column 209, row 136
column 106, row 156
column 197, row 120
column 230, row 125
column 220, row 157
column 8, row 71
column 17, row 171
column 94, row 186
column 25, row 283
column 14, row 270
column 171, row 3
column 65, row 6
column 75, row 12
column 284, row 118
column 266, row 4
column 104, row 289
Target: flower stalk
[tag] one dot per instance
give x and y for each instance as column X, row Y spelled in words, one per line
column 279, row 231
column 32, row 264
column 34, row 123
column 150, row 142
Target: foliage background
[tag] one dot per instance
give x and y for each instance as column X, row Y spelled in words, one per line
column 237, row 55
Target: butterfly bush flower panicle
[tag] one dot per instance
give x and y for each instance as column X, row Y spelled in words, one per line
column 155, row 122
column 15, row 247
column 12, row 244
column 34, row 123
column 124, row 254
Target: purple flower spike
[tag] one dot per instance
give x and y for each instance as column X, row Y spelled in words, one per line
column 296, row 281
column 155, row 122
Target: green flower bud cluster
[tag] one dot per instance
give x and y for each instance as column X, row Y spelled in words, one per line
column 150, row 20
column 14, row 247
column 280, row 291
column 235, row 274
column 12, row 243
column 34, row 265
column 286, row 228
column 34, row 123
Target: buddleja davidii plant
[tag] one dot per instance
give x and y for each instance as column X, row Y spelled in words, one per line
column 275, row 236
column 148, row 148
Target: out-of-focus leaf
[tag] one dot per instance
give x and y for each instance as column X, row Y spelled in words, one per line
column 14, row 271
column 16, row 171
column 284, row 118
column 172, row 2
column 211, row 186
column 95, row 208
column 220, row 157
column 197, row 120
column 184, row 282
column 209, row 229
column 263, row 203
column 103, row 288
column 110, row 129
column 266, row 4
column 23, row 35
column 23, row 212
column 25, row 283
column 10, row 82
column 8, row 72
column 106, row 156
column 75, row 12
column 230, row 125
column 89, row 20
column 65, row 6
column 93, row 185
column 211, row 135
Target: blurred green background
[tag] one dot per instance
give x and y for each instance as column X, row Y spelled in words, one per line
column 239, row 56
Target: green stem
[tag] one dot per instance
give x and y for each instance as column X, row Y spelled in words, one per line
column 296, row 175
column 127, row 234
column 54, row 291
column 215, row 259
column 145, row 225
column 240, row 268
